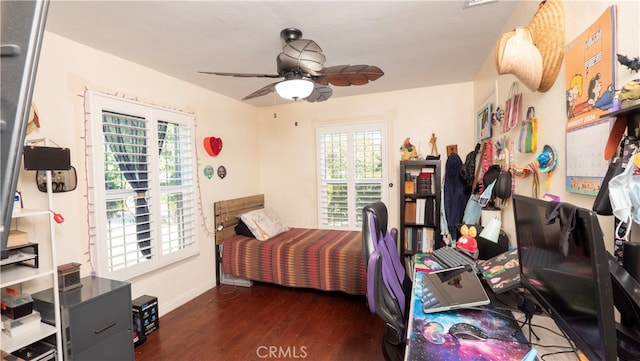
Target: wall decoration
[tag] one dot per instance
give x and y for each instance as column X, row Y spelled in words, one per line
column 212, row 145
column 483, row 122
column 208, row 171
column 452, row 148
column 590, row 62
column 222, row 172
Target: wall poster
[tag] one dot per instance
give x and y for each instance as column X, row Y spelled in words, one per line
column 590, row 87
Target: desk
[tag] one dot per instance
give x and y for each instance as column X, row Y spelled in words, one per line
column 506, row 341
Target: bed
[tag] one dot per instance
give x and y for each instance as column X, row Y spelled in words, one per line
column 322, row 259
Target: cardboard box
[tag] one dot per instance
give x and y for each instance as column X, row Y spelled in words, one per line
column 17, row 238
column 145, row 312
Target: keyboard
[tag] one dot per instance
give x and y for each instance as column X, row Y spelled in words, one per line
column 452, row 258
column 429, row 300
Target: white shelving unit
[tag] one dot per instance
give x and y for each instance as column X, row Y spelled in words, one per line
column 16, row 275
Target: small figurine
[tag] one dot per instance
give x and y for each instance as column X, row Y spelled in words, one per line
column 434, row 145
column 434, row 148
column 467, row 241
column 409, row 151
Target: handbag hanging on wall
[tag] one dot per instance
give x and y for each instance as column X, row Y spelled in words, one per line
column 473, row 209
column 512, row 108
column 528, row 140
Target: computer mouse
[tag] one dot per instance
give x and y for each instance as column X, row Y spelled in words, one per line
column 465, row 331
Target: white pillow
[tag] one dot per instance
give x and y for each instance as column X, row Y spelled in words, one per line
column 264, row 223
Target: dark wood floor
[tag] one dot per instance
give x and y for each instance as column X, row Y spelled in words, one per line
column 266, row 322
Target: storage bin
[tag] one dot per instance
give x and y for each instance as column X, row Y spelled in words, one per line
column 15, row 304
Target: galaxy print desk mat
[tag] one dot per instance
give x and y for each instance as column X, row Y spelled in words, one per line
column 498, row 336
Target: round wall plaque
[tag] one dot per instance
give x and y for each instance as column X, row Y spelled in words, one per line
column 222, row 171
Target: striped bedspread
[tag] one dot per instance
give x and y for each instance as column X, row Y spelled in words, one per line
column 327, row 260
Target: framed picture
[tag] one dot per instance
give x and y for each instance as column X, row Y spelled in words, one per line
column 483, row 121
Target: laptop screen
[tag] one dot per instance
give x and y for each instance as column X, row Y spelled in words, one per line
column 460, row 291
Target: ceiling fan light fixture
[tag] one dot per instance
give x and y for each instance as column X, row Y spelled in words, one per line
column 471, row 3
column 295, row 88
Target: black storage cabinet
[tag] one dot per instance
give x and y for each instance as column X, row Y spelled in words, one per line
column 96, row 319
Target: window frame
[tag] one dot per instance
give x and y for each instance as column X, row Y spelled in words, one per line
column 351, row 129
column 96, row 103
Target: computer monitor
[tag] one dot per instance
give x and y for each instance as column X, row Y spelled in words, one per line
column 565, row 266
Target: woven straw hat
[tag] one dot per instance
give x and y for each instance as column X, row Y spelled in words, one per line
column 516, row 54
column 547, row 31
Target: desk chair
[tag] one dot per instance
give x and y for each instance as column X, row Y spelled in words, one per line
column 388, row 286
column 376, row 213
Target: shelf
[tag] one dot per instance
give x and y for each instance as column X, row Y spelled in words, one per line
column 11, row 344
column 16, row 255
column 14, row 274
column 411, row 224
column 29, row 213
column 419, row 195
column 17, row 258
column 425, row 233
column 625, row 111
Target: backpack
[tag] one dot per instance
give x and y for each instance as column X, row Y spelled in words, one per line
column 469, row 169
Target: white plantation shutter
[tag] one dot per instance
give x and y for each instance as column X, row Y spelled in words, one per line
column 142, row 185
column 351, row 172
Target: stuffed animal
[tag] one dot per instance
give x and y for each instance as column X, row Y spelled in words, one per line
column 467, row 241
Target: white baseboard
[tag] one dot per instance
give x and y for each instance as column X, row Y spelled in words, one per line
column 185, row 297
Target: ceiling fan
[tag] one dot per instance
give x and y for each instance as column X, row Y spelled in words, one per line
column 301, row 64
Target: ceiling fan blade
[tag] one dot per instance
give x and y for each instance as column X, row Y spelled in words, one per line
column 242, row 75
column 320, row 93
column 302, row 54
column 346, row 75
column 262, row 91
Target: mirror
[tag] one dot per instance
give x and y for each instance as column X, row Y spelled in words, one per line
column 64, row 180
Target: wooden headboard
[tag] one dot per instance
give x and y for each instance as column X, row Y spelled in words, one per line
column 226, row 212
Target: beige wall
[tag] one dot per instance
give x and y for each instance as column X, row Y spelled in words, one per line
column 65, row 70
column 270, row 154
column 550, row 106
column 287, row 151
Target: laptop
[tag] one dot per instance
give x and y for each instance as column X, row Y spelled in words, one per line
column 502, row 272
column 461, row 291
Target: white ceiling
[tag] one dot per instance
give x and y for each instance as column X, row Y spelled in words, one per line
column 416, row 43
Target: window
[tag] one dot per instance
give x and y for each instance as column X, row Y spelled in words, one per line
column 351, row 172
column 141, row 185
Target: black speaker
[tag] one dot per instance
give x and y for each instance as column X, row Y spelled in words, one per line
column 46, row 158
column 631, row 259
